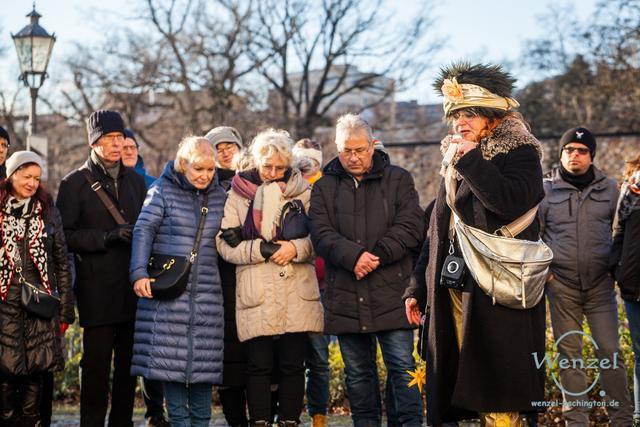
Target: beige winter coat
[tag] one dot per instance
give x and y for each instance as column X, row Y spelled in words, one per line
column 271, row 299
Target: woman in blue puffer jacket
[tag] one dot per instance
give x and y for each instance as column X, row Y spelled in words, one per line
column 180, row 341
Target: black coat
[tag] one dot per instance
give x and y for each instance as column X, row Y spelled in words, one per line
column 29, row 344
column 628, row 266
column 380, row 215
column 234, row 370
column 495, row 372
column 105, row 295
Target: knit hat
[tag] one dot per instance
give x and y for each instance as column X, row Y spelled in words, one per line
column 580, row 135
column 102, row 122
column 224, row 134
column 4, row 134
column 128, row 133
column 311, row 153
column 20, row 158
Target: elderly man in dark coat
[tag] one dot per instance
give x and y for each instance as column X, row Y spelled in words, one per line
column 365, row 221
column 102, row 248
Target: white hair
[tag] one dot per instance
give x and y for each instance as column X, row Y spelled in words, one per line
column 270, row 142
column 191, row 149
column 350, row 124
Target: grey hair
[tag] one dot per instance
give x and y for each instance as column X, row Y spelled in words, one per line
column 270, row 142
column 191, row 149
column 349, row 124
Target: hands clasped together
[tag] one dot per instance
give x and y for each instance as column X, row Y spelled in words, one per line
column 281, row 252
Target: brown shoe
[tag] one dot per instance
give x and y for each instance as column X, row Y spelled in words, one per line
column 319, row 420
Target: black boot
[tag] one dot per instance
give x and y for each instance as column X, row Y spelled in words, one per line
column 30, row 421
column 8, row 404
column 260, row 423
column 287, row 423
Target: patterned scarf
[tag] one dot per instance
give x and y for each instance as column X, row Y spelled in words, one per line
column 20, row 218
column 267, row 200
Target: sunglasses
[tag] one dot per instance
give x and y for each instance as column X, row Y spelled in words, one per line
column 581, row 150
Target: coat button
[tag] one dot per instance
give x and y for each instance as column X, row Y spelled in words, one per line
column 399, row 274
column 364, row 328
column 361, row 299
column 282, row 274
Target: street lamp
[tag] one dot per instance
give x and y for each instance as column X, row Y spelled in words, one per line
column 34, row 46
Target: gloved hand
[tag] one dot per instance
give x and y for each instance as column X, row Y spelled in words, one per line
column 267, row 249
column 120, row 234
column 233, row 236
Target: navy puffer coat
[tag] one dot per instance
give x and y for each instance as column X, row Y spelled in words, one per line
column 179, row 340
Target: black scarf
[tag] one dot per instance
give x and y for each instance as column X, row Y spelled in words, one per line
column 579, row 181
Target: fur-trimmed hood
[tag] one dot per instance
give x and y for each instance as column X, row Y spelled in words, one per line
column 507, row 136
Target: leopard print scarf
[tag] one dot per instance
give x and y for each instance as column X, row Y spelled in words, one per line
column 20, row 218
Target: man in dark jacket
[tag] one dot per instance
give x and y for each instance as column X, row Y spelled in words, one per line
column 365, row 221
column 576, row 216
column 102, row 248
column 131, row 157
column 5, row 141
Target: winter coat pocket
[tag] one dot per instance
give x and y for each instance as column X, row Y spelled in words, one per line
column 250, row 289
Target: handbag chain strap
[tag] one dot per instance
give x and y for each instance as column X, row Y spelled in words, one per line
column 512, row 229
column 204, row 210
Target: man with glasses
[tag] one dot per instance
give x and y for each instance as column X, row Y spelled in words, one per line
column 131, row 157
column 89, row 200
column 576, row 217
column 366, row 219
column 5, row 141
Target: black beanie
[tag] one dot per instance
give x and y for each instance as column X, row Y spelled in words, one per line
column 128, row 133
column 102, row 122
column 581, row 136
column 4, row 134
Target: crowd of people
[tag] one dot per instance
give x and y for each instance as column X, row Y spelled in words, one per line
column 239, row 263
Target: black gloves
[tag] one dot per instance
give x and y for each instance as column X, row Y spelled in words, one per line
column 233, row 236
column 267, row 249
column 120, row 234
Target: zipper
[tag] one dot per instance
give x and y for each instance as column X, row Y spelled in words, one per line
column 192, row 294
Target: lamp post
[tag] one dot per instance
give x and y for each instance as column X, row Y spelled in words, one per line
column 33, row 45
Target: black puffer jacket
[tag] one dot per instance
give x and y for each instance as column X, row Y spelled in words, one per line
column 380, row 215
column 29, row 344
column 105, row 295
column 628, row 266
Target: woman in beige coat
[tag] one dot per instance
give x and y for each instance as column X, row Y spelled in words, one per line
column 277, row 297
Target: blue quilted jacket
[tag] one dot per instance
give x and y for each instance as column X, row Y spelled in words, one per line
column 179, row 340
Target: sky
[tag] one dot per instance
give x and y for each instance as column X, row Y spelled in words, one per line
column 493, row 31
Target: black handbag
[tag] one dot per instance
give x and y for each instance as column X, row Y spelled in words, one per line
column 169, row 274
column 36, row 300
column 294, row 222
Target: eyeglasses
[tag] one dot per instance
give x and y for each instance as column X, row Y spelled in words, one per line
column 228, row 149
column 464, row 115
column 272, row 168
column 112, row 138
column 581, row 150
column 359, row 152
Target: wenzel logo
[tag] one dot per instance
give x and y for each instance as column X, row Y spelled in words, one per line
column 579, row 363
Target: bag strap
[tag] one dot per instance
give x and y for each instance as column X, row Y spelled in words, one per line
column 104, row 198
column 204, row 210
column 512, row 229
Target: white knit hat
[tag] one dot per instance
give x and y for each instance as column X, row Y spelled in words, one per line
column 20, row 158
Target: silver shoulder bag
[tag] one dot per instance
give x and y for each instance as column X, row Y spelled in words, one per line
column 511, row 271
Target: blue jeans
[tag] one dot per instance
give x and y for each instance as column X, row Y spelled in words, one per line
column 188, row 405
column 359, row 355
column 633, row 315
column 317, row 364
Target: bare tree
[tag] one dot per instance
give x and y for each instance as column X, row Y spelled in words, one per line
column 599, row 85
column 309, row 55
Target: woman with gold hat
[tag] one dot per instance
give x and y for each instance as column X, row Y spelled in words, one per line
column 479, row 355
